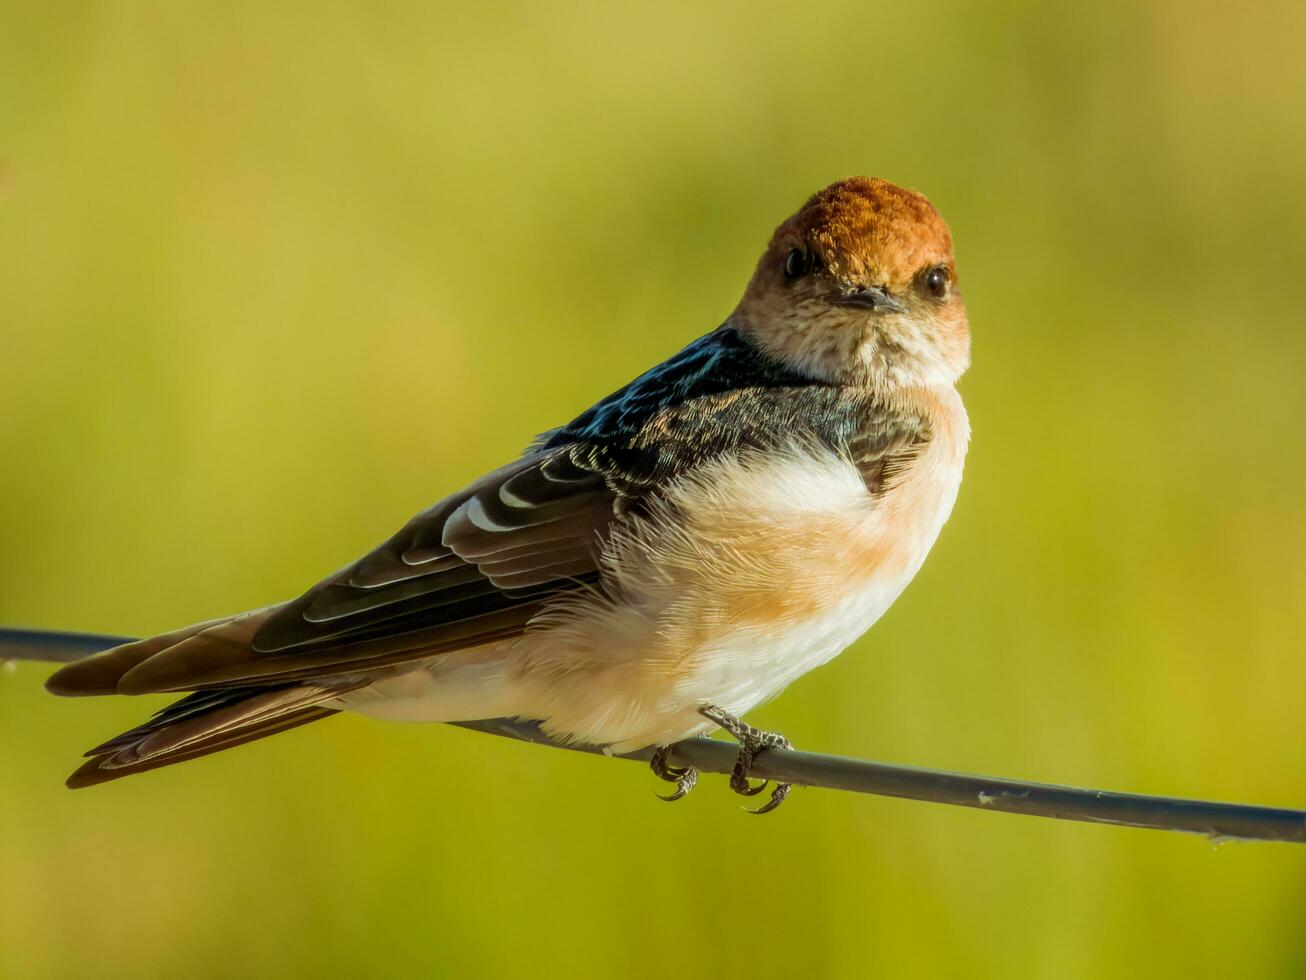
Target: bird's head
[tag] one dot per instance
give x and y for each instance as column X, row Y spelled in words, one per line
column 860, row 287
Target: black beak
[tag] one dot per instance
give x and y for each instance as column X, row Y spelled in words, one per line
column 871, row 298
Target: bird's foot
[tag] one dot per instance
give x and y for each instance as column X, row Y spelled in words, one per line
column 752, row 743
column 683, row 776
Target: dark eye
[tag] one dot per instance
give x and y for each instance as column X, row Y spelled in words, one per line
column 937, row 281
column 797, row 263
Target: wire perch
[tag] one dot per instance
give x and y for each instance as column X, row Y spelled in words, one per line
column 1219, row 821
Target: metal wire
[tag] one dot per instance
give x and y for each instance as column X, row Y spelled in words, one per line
column 1220, row 821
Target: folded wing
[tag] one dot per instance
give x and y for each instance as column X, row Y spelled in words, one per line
column 472, row 569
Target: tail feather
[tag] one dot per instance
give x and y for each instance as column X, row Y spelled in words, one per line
column 206, row 722
column 102, row 768
column 103, row 672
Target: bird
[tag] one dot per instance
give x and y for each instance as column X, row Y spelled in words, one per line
column 652, row 570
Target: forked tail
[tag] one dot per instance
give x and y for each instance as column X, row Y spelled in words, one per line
column 197, row 725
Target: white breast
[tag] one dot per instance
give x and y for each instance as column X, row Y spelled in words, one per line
column 848, row 559
column 775, row 565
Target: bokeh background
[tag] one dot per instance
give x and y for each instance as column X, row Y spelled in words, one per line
column 272, row 278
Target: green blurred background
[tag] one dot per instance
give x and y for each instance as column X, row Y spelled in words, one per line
column 271, row 280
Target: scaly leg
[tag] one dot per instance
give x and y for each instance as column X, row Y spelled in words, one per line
column 752, row 743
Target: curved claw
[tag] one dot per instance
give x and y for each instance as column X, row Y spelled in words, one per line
column 688, row 778
column 683, row 776
column 778, row 796
column 745, row 788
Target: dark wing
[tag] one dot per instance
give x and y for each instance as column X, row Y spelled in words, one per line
column 472, row 569
column 480, row 565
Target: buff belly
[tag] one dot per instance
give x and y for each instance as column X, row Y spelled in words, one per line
column 752, row 574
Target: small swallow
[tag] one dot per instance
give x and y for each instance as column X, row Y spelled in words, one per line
column 654, row 569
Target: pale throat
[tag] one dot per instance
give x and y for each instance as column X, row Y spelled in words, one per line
column 831, row 346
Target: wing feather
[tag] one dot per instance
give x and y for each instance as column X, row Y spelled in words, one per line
column 478, row 566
